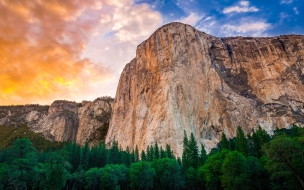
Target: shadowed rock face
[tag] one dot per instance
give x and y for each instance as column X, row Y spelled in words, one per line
column 63, row 120
column 184, row 79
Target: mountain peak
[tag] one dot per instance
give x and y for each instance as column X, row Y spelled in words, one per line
column 185, row 80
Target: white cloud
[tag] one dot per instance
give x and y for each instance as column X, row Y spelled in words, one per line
column 207, row 18
column 123, row 26
column 207, row 27
column 251, row 28
column 286, row 1
column 242, row 7
column 296, row 10
column 191, row 19
column 283, row 16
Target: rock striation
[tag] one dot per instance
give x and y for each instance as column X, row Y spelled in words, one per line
column 184, row 79
column 63, row 120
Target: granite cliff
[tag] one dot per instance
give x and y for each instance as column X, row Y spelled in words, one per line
column 184, row 79
column 63, row 120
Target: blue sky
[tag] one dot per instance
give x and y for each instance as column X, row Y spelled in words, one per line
column 76, row 49
column 231, row 17
column 216, row 17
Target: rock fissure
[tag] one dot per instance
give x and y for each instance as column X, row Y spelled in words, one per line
column 207, row 85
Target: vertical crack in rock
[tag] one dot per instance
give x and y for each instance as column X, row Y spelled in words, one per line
column 185, row 80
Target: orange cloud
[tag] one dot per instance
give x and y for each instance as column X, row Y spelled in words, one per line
column 40, row 46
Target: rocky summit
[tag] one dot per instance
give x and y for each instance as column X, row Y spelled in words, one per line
column 183, row 79
column 63, row 120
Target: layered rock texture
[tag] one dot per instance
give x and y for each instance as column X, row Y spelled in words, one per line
column 63, row 120
column 184, row 79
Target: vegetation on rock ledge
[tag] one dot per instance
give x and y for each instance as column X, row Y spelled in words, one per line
column 255, row 161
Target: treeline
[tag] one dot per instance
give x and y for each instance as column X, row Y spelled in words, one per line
column 255, row 161
column 9, row 134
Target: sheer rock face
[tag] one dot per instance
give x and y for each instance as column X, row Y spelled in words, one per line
column 184, row 79
column 63, row 120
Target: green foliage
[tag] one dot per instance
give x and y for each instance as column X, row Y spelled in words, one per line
column 156, row 152
column 201, row 177
column 258, row 139
column 169, row 152
column 212, row 170
column 162, row 153
column 285, row 160
column 255, row 161
column 84, row 161
column 114, row 176
column 190, row 152
column 225, row 143
column 9, row 134
column 136, row 155
column 257, row 174
column 141, row 175
column 191, row 178
column 93, row 176
column 143, row 156
column 114, row 153
column 241, row 142
column 56, row 170
column 202, row 157
column 168, row 174
column 235, row 172
column 20, row 169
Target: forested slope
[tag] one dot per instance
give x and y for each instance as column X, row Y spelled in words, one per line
column 256, row 161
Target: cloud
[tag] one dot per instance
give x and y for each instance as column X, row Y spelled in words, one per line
column 242, row 7
column 135, row 23
column 296, row 10
column 120, row 30
column 208, row 25
column 283, row 16
column 191, row 19
column 42, row 44
column 286, row 1
column 247, row 27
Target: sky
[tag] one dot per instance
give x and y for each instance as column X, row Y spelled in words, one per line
column 76, row 49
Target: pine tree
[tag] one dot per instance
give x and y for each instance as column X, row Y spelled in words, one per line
column 136, row 155
column 127, row 157
column 141, row 175
column 193, row 152
column 241, row 142
column 156, row 151
column 143, row 156
column 85, row 157
column 150, row 153
column 224, row 142
column 162, row 153
column 185, row 155
column 114, row 153
column 235, row 172
column 169, row 152
column 102, row 155
column 190, row 152
column 202, row 157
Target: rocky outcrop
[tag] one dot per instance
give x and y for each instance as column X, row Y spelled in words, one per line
column 63, row 120
column 184, row 79
column 94, row 118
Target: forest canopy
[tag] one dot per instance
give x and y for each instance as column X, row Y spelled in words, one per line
column 253, row 161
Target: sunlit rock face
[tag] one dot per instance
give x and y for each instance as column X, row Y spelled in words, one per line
column 70, row 121
column 63, row 120
column 185, row 80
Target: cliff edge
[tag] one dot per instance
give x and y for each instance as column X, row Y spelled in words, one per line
column 184, row 79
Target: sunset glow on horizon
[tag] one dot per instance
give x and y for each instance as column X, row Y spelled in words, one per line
column 41, row 45
column 75, row 50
